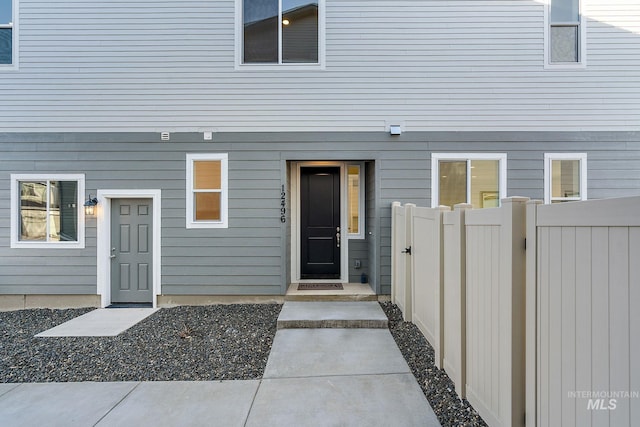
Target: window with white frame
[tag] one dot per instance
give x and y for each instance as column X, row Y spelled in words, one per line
column 479, row 179
column 565, row 33
column 46, row 211
column 281, row 31
column 565, row 177
column 7, row 32
column 207, row 190
column 355, row 201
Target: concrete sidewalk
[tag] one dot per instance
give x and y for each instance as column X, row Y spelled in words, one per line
column 314, row 377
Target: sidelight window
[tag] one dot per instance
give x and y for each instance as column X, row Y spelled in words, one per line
column 355, row 200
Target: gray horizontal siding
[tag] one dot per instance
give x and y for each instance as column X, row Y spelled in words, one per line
column 432, row 64
column 251, row 256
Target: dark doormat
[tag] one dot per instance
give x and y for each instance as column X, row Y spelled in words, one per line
column 320, row 287
column 130, row 305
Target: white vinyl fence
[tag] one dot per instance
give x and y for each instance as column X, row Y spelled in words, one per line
column 583, row 368
column 528, row 305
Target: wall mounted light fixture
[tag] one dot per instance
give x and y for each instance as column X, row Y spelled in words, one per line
column 395, row 130
column 89, row 205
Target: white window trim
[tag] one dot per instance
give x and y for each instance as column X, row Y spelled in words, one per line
column 239, row 43
column 582, row 40
column 15, row 217
column 435, row 172
column 15, row 39
column 361, row 199
column 549, row 157
column 224, row 198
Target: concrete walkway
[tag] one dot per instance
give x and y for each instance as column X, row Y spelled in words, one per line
column 314, row 377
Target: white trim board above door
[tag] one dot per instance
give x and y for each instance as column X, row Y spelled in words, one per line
column 104, row 239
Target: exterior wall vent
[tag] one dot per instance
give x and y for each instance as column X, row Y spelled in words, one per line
column 165, row 136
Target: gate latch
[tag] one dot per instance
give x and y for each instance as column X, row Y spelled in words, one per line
column 407, row 250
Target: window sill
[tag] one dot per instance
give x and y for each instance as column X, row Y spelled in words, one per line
column 280, row 67
column 45, row 245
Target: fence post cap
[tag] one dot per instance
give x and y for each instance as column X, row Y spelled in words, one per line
column 462, row 206
column 396, row 204
column 515, row 199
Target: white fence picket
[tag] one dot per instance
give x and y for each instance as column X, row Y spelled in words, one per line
column 455, row 297
column 495, row 276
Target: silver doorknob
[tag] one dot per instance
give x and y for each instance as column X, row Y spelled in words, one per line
column 112, row 254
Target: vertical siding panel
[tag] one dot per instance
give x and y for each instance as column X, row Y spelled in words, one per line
column 544, row 255
column 583, row 322
column 494, row 310
column 619, row 321
column 489, row 345
column 600, row 318
column 471, row 320
column 568, row 325
column 555, row 321
column 634, row 321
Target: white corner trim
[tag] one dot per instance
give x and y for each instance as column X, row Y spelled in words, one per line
column 103, row 213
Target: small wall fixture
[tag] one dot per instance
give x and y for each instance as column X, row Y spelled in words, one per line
column 89, row 205
column 395, row 130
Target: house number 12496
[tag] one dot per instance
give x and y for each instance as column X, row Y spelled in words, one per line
column 283, row 206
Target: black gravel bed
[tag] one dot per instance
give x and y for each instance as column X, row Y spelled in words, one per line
column 435, row 383
column 188, row 343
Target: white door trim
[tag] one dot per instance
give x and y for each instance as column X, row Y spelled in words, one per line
column 295, row 223
column 103, row 213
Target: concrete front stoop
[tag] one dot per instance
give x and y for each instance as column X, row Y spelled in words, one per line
column 320, row 315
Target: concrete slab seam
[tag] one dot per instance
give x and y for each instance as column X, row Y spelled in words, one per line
column 118, row 403
column 381, row 374
column 10, row 390
column 253, row 400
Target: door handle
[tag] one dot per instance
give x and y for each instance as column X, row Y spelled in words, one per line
column 112, row 256
column 338, row 236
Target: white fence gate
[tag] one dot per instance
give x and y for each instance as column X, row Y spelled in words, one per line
column 426, row 275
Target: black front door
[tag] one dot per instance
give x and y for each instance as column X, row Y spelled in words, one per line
column 320, row 222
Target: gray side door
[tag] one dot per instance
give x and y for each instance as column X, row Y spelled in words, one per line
column 131, row 250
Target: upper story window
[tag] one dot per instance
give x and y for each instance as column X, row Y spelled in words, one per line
column 7, row 32
column 46, row 211
column 565, row 177
column 207, row 190
column 281, row 32
column 479, row 179
column 565, row 33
